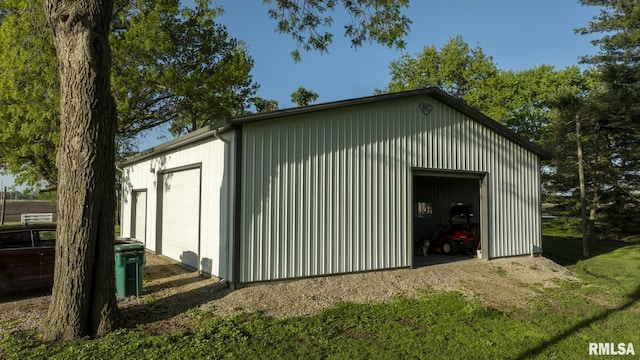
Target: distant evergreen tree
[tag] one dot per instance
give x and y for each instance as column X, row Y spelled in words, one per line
column 606, row 102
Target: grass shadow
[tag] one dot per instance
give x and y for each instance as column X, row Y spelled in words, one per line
column 632, row 299
column 568, row 251
column 159, row 309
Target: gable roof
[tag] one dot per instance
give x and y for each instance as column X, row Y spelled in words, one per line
column 434, row 92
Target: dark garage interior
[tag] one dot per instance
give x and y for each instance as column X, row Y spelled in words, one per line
column 434, row 195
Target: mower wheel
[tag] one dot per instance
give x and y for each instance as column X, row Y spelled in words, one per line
column 450, row 248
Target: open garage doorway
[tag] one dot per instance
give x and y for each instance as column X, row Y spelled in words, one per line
column 450, row 213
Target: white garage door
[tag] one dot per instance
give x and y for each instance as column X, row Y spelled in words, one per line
column 140, row 216
column 181, row 216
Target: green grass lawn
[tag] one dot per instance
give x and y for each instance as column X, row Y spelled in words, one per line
column 559, row 323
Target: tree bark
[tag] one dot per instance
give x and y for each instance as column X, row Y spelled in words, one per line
column 583, row 195
column 595, row 202
column 83, row 299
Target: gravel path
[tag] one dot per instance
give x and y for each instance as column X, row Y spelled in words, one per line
column 170, row 290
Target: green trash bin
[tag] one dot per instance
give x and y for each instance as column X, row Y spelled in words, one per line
column 129, row 266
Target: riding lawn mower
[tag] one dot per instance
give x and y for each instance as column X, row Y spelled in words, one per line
column 459, row 236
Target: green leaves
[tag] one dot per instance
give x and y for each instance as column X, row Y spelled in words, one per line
column 187, row 72
column 304, row 97
column 529, row 98
column 308, row 22
column 613, row 109
column 456, row 69
column 29, row 95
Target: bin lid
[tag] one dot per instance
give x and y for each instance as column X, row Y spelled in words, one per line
column 128, row 247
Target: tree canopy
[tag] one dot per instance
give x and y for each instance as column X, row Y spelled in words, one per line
column 264, row 105
column 309, row 22
column 455, row 68
column 524, row 99
column 188, row 72
column 609, row 112
column 303, row 97
column 618, row 68
column 29, row 94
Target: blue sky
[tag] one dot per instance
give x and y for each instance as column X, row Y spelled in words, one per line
column 518, row 34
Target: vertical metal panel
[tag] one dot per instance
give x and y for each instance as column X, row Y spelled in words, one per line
column 328, row 192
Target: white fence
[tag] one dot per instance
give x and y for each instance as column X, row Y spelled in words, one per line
column 36, row 217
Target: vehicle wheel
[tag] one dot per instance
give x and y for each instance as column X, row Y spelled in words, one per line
column 450, row 248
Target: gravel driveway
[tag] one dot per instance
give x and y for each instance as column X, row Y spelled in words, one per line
column 170, row 290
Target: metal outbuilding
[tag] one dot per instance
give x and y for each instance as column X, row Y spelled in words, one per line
column 332, row 188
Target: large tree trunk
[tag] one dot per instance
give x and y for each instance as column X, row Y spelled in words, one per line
column 83, row 302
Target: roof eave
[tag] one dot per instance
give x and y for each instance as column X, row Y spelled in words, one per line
column 201, row 134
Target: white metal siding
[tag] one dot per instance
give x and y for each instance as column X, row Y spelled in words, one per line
column 328, row 192
column 217, row 159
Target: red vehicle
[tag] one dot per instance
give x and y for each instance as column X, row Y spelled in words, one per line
column 27, row 256
column 460, row 234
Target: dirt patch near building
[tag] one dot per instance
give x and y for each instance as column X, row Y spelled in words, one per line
column 171, row 290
